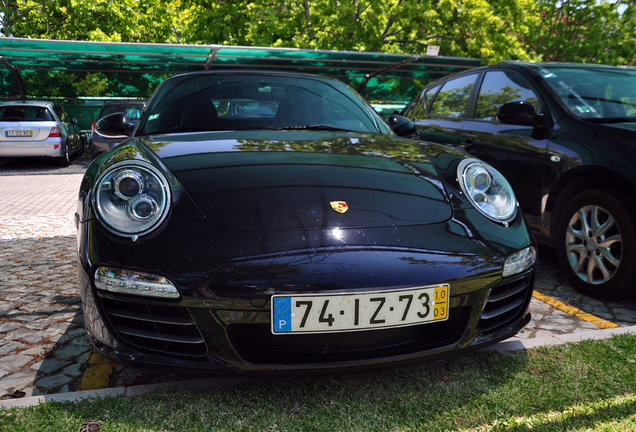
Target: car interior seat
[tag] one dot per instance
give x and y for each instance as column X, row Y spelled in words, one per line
column 200, row 117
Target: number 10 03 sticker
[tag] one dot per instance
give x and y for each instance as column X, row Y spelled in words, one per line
column 294, row 314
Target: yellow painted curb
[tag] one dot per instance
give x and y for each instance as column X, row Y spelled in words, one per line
column 571, row 310
column 97, row 375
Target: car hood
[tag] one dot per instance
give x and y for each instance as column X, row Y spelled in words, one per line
column 305, row 180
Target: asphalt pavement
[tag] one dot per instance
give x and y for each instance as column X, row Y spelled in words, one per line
column 44, row 351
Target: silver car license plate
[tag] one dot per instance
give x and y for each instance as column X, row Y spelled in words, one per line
column 361, row 311
column 18, row 133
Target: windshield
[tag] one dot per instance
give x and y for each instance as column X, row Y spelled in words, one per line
column 594, row 93
column 133, row 111
column 213, row 101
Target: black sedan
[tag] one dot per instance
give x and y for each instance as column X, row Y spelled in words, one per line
column 565, row 137
column 262, row 222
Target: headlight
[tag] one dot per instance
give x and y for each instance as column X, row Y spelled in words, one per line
column 132, row 198
column 487, row 190
column 520, row 261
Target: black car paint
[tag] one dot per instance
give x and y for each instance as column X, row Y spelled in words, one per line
column 227, row 276
column 570, row 156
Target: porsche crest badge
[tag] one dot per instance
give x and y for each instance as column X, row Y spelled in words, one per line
column 339, row 206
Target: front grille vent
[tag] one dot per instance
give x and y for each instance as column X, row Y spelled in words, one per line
column 506, row 304
column 256, row 344
column 165, row 329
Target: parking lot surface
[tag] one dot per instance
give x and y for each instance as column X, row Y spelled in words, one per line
column 43, row 344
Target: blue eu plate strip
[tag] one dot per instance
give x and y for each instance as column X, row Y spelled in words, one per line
column 282, row 314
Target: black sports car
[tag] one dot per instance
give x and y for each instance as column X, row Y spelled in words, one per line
column 564, row 135
column 261, row 221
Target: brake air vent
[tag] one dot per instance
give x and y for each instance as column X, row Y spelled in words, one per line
column 166, row 329
column 505, row 304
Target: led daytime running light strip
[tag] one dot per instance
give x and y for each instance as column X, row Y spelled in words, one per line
column 132, row 282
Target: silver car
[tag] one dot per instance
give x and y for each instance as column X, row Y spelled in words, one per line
column 38, row 128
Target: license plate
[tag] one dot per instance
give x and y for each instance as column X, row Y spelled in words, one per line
column 18, row 133
column 349, row 312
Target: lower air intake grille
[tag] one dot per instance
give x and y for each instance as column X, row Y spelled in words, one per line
column 256, row 343
column 506, row 304
column 165, row 329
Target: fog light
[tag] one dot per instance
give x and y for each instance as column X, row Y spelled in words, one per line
column 520, row 261
column 133, row 282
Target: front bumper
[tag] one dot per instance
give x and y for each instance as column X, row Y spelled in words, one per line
column 228, row 335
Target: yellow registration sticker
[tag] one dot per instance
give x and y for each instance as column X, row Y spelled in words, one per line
column 440, row 310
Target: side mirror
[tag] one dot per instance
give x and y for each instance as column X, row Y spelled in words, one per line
column 401, row 125
column 114, row 126
column 521, row 113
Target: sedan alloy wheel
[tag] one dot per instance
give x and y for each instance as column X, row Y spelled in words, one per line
column 594, row 240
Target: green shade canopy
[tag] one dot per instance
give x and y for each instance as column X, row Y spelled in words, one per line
column 37, row 68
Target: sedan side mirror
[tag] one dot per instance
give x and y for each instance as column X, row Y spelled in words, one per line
column 401, row 125
column 521, row 113
column 114, row 126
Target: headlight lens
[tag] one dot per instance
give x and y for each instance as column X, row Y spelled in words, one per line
column 520, row 261
column 487, row 190
column 132, row 198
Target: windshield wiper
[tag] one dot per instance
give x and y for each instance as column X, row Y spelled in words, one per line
column 611, row 119
column 315, row 127
column 182, row 130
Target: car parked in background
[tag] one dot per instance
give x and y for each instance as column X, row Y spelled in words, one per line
column 266, row 222
column 38, row 128
column 100, row 143
column 565, row 137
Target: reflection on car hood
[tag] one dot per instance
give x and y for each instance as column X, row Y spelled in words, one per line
column 301, row 179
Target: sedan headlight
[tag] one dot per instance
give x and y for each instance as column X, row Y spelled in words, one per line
column 132, row 198
column 487, row 190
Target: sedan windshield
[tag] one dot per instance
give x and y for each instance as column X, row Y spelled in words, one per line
column 212, row 102
column 594, row 93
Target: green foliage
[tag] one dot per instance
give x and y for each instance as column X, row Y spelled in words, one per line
column 560, row 30
column 587, row 31
column 493, row 30
column 97, row 20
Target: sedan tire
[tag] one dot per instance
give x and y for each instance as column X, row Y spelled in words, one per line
column 80, row 143
column 596, row 244
column 65, row 159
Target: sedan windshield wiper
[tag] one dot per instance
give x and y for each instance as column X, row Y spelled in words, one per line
column 314, row 127
column 610, row 119
column 182, row 130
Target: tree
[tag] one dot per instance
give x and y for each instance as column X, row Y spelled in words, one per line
column 587, row 31
column 488, row 29
column 96, row 20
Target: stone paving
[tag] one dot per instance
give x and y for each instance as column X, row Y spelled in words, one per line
column 43, row 344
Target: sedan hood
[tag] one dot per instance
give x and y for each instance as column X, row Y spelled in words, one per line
column 305, row 180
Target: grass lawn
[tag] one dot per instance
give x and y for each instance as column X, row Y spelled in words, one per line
column 588, row 386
